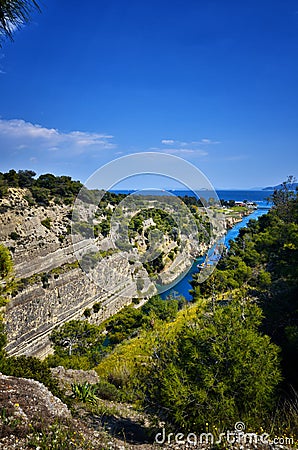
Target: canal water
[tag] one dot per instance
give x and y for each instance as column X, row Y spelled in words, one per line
column 183, row 286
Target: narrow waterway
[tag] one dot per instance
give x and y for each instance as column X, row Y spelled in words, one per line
column 183, row 287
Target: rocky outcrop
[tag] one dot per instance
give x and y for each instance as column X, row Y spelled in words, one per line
column 66, row 377
column 29, row 399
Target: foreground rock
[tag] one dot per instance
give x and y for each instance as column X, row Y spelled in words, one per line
column 30, row 400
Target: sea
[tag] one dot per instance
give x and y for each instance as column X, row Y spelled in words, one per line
column 237, row 195
column 262, row 200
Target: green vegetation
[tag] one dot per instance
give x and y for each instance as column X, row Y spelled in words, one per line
column 228, row 356
column 163, row 221
column 264, row 261
column 59, row 436
column 211, row 372
column 44, row 189
column 47, row 223
column 232, row 355
column 84, row 392
column 29, row 367
column 7, row 283
column 80, row 345
column 15, row 236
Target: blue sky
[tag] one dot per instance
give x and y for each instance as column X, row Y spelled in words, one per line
column 214, row 82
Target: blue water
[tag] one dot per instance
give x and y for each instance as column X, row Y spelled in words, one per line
column 237, row 195
column 183, row 287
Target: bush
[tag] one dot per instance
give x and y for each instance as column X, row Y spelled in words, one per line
column 218, row 369
column 15, row 236
column 6, row 265
column 96, row 307
column 107, row 391
column 47, row 223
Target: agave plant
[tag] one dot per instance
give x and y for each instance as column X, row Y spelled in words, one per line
column 84, row 392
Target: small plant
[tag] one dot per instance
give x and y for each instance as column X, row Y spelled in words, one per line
column 45, row 280
column 96, row 307
column 87, row 313
column 47, row 223
column 59, row 437
column 84, row 392
column 14, row 235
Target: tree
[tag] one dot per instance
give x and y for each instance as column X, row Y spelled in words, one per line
column 26, row 179
column 6, row 265
column 12, row 178
column 218, row 369
column 281, row 198
column 76, row 337
column 14, row 14
column 161, row 309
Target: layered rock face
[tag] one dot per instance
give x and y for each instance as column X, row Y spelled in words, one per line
column 53, row 288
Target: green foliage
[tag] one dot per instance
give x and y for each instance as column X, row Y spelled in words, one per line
column 58, row 436
column 124, row 324
column 7, row 283
column 40, row 196
column 47, row 223
column 218, row 369
column 264, row 260
column 161, row 309
column 76, row 337
column 87, row 313
column 6, row 265
column 26, row 178
column 3, row 339
column 29, row 367
column 84, row 392
column 77, row 345
column 45, row 188
column 107, row 391
column 15, row 236
column 96, row 307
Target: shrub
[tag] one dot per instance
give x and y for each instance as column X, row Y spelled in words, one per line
column 6, row 265
column 47, row 223
column 15, row 236
column 96, row 307
column 106, row 391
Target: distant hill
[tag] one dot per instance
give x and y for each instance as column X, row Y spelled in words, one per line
column 279, row 186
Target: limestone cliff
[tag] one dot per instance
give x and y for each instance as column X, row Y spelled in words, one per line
column 53, row 289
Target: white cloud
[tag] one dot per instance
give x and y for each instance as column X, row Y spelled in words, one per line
column 180, row 151
column 18, row 134
column 204, row 141
column 168, row 141
column 195, row 148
